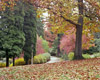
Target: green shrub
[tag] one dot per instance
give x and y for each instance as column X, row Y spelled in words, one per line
column 92, row 56
column 11, row 65
column 53, row 51
column 86, row 56
column 97, row 43
column 46, row 55
column 18, row 62
column 64, row 56
column 96, row 55
column 2, row 64
column 94, row 49
column 41, row 58
column 91, row 50
column 38, row 59
column 45, row 44
column 71, row 56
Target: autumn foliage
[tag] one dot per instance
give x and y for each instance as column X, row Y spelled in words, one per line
column 39, row 46
column 7, row 3
column 67, row 42
column 68, row 70
column 50, row 37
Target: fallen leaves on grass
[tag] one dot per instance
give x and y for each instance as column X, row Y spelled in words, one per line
column 67, row 70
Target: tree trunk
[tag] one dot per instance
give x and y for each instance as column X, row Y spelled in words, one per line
column 79, row 28
column 7, row 59
column 58, row 45
column 32, row 55
column 26, row 62
column 13, row 60
column 78, row 44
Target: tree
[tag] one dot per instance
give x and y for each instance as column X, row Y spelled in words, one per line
column 39, row 46
column 30, row 15
column 50, row 37
column 11, row 34
column 30, row 31
column 68, row 42
column 4, row 3
column 59, row 36
column 71, row 13
column 39, row 28
column 79, row 29
column 20, row 36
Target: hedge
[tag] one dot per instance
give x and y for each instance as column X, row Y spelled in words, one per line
column 38, row 59
column 2, row 64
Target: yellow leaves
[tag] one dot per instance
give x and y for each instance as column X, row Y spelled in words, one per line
column 7, row 3
column 61, row 27
column 69, row 10
column 42, row 13
column 38, row 16
column 2, row 5
column 90, row 26
column 39, row 13
column 96, row 29
column 57, row 29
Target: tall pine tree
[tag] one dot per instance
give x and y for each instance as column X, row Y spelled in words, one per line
column 11, row 35
column 19, row 22
column 30, row 31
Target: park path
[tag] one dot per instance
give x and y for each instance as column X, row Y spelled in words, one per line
column 54, row 59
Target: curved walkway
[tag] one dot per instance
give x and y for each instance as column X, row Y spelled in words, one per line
column 54, row 59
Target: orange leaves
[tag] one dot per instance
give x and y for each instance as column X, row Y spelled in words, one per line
column 69, row 10
column 7, row 3
column 49, row 37
column 12, row 3
column 68, row 41
column 2, row 5
column 67, row 70
column 56, row 9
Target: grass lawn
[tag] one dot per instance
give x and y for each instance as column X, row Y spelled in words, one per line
column 67, row 70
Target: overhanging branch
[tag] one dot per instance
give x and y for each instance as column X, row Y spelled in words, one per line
column 70, row 21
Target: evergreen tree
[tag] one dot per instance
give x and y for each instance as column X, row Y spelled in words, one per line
column 39, row 28
column 19, row 22
column 11, row 34
column 30, row 31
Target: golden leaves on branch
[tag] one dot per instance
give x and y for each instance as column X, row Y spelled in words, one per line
column 90, row 27
column 7, row 3
column 95, row 4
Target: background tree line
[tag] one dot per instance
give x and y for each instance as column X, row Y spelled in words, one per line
column 18, row 31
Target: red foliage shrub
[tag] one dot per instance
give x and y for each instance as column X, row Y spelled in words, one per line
column 39, row 47
column 49, row 37
column 67, row 43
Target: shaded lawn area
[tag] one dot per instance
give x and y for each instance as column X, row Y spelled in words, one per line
column 67, row 70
